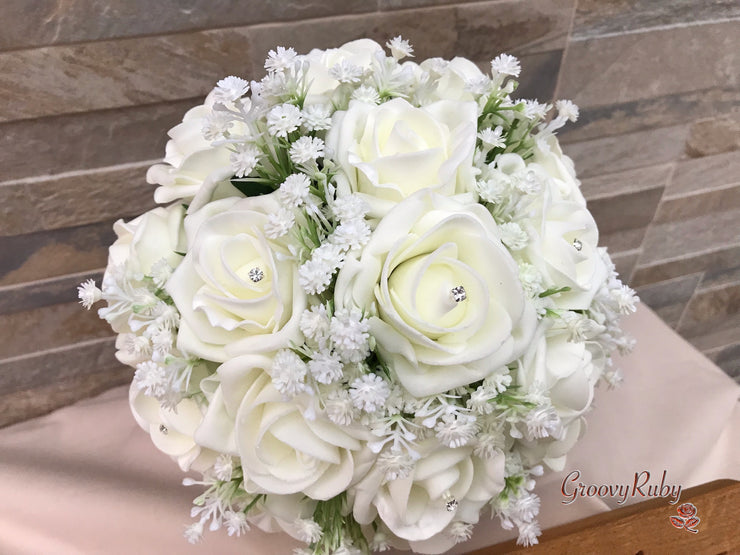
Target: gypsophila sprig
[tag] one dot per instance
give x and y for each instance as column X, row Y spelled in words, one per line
column 372, row 295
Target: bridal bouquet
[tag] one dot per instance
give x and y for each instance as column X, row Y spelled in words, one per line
column 371, row 306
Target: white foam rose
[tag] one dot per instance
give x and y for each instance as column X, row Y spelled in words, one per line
column 322, row 85
column 172, row 430
column 415, row 508
column 190, row 161
column 224, row 312
column 423, row 248
column 568, row 371
column 453, row 79
column 563, row 241
column 391, row 151
column 156, row 235
column 282, row 451
column 560, row 168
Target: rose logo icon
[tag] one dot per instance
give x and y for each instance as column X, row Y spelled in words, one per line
column 687, row 518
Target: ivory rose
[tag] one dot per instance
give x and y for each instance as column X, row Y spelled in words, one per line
column 190, row 160
column 549, row 157
column 322, row 85
column 563, row 241
column 237, row 291
column 423, row 250
column 281, row 450
column 568, row 371
column 391, row 151
column 415, row 508
column 172, row 430
column 143, row 242
column 452, row 77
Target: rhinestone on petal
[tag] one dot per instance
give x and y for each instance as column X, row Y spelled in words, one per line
column 458, row 294
column 256, row 274
column 451, row 505
column 577, row 245
column 163, row 429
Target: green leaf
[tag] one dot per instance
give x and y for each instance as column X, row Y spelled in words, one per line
column 553, row 291
column 252, row 188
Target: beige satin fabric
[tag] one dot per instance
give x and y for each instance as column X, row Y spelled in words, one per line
column 86, row 479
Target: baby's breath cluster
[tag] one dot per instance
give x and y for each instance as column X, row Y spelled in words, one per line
column 373, row 305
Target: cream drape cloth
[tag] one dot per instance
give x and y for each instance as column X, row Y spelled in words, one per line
column 86, row 479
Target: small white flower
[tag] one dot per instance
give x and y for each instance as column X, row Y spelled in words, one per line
column 145, row 302
column 513, row 236
column 369, row 392
column 306, row 149
column 492, row 190
column 281, row 60
column 271, row 85
column 325, row 367
column 478, row 85
column 350, row 207
column 534, row 110
column 138, row 345
column 317, row 117
column 346, row 72
column 279, row 223
column 161, row 338
column 347, row 549
column 289, row 373
column 89, row 293
column 307, row 530
column 456, row 430
column 366, row 94
column 528, row 183
column 436, row 66
column 160, row 272
column 194, row 532
column 580, row 328
column 396, row 465
column 314, row 275
column 314, row 323
column 236, row 523
column 151, row 378
column 525, row 507
column 351, row 234
column 349, row 335
column 244, row 159
column 379, row 542
column 567, row 110
column 480, row 401
column 625, row 298
column 293, row 191
column 460, row 531
column 506, row 64
column 400, row 48
column 283, row 119
column 543, row 422
column 528, row 532
column 339, row 407
column 513, row 464
column 168, row 317
column 223, row 467
column 490, row 444
column 493, row 138
column 230, row 89
column 330, row 254
column 613, row 378
column 217, row 125
column 531, row 279
column 498, row 381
